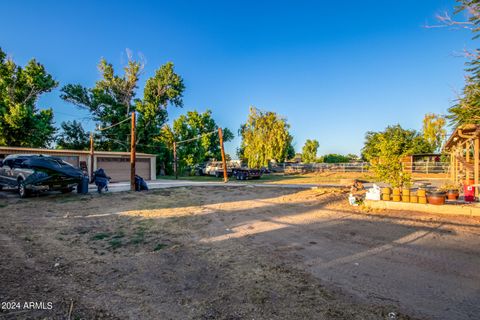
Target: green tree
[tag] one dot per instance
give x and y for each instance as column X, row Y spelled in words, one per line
column 335, row 158
column 467, row 107
column 265, row 137
column 190, row 126
column 112, row 100
column 385, row 150
column 73, row 136
column 22, row 124
column 408, row 142
column 309, row 151
column 434, row 130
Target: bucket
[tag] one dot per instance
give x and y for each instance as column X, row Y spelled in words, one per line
column 469, row 193
column 82, row 187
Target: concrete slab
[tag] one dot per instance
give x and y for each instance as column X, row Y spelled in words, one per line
column 450, row 209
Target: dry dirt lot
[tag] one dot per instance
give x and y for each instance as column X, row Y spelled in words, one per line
column 233, row 253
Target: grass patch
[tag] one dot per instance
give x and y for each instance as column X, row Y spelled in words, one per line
column 115, row 243
column 101, row 236
column 120, row 234
column 159, row 246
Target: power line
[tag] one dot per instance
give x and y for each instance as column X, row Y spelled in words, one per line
column 114, row 125
column 197, row 137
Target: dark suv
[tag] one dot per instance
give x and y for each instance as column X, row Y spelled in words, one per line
column 38, row 173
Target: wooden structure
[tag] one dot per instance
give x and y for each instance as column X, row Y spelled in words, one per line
column 464, row 149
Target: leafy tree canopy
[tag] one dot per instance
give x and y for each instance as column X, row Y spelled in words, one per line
column 192, row 125
column 73, row 136
column 112, row 100
column 265, row 137
column 403, row 142
column 467, row 108
column 309, row 151
column 385, row 150
column 21, row 122
column 335, row 158
column 434, row 130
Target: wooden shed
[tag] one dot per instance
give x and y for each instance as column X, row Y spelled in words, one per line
column 464, row 149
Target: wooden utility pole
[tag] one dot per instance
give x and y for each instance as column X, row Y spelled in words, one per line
column 175, row 159
column 132, row 154
column 224, row 162
column 91, row 156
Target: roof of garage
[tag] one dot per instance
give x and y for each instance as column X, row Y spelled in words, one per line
column 73, row 152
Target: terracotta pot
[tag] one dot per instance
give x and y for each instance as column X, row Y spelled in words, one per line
column 385, row 197
column 452, row 194
column 421, row 192
column 396, row 191
column 436, row 198
column 386, row 190
column 413, row 199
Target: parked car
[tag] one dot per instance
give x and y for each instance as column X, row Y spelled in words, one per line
column 30, row 173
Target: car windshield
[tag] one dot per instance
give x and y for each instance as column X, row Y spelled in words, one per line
column 58, row 162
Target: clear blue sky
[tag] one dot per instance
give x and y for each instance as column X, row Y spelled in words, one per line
column 334, row 69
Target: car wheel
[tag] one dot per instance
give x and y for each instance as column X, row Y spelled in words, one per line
column 22, row 190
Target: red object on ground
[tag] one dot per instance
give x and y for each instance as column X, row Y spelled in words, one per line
column 468, row 192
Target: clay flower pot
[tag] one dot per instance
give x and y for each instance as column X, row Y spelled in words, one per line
column 453, row 194
column 436, row 197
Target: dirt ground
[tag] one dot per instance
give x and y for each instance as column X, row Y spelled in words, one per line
column 233, row 253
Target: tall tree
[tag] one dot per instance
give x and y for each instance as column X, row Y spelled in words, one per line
column 385, row 150
column 112, row 99
column 265, row 137
column 22, row 124
column 434, row 130
column 190, row 126
column 406, row 142
column 309, row 151
column 467, row 107
column 73, row 136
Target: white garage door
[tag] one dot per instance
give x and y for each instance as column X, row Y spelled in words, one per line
column 119, row 168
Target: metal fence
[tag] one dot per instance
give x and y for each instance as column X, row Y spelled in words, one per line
column 426, row 167
column 413, row 167
column 324, row 167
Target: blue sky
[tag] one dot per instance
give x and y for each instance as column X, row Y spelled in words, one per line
column 334, row 69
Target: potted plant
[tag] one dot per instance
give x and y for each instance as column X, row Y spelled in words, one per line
column 452, row 190
column 436, row 197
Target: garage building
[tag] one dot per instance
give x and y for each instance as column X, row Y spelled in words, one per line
column 115, row 164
